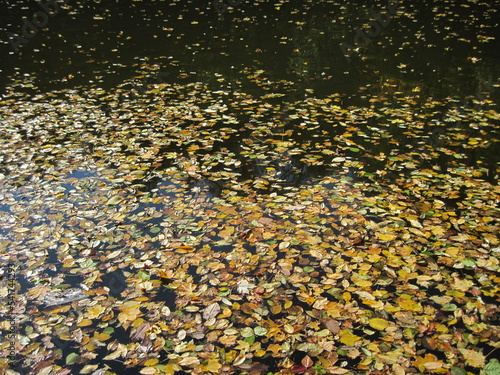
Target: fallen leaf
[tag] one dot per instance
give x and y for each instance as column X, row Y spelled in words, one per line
column 211, row 311
column 378, row 323
column 473, row 358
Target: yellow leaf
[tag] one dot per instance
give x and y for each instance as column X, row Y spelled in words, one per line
column 171, row 367
column 378, row 323
column 363, row 283
column 398, row 369
column 428, row 363
column 84, row 323
column 186, row 248
column 95, row 311
column 275, row 348
column 473, row 358
column 406, row 303
column 151, row 362
column 226, row 232
column 347, row 338
column 346, row 296
column 260, row 353
column 284, row 245
column 102, row 336
column 212, row 365
column 438, row 231
column 387, row 237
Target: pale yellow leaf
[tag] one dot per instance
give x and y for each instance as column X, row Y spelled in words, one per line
column 473, row 358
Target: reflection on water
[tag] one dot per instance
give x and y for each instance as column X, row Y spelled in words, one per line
column 424, row 47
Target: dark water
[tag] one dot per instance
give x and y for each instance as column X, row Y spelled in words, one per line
column 441, row 48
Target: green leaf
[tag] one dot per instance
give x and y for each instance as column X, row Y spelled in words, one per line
column 449, row 307
column 469, row 262
column 250, row 340
column 88, row 263
column 319, row 369
column 115, row 200
column 155, row 230
column 72, row 358
column 492, row 367
column 458, row 371
column 260, row 331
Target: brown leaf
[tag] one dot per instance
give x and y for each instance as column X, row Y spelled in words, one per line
column 307, row 361
column 140, row 332
column 353, row 353
column 333, row 326
column 211, row 311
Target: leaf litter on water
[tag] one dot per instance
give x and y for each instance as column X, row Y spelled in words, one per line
column 235, row 247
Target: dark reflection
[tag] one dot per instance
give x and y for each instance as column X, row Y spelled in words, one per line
column 116, row 281
column 300, row 42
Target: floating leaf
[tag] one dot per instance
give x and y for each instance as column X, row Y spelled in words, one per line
column 473, row 358
column 379, row 324
column 115, row 200
column 333, row 326
column 211, row 311
column 260, row 331
column 72, row 358
column 492, row 367
column 349, row 339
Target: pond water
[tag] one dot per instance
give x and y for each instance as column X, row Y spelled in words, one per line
column 294, row 186
column 441, row 48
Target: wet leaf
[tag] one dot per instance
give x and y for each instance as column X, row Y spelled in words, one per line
column 260, row 331
column 115, row 200
column 211, row 311
column 349, row 339
column 379, row 324
column 492, row 367
column 473, row 358
column 72, row 358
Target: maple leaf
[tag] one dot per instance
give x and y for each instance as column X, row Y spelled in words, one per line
column 429, row 362
column 473, row 358
column 244, row 287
